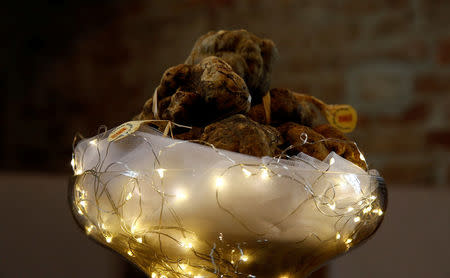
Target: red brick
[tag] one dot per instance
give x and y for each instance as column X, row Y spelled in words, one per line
column 394, row 24
column 356, row 7
column 407, row 172
column 417, row 113
column 436, row 13
column 408, row 51
column 432, row 83
column 443, row 52
column 380, row 139
column 439, row 138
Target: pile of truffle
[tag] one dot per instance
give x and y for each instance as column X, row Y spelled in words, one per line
column 219, row 92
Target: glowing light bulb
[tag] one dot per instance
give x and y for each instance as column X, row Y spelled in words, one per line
column 160, row 172
column 220, row 181
column 349, row 240
column 332, row 160
column 139, row 239
column 89, row 229
column 380, row 212
column 187, row 245
column 332, row 206
column 349, row 209
column 264, row 174
column 129, row 196
column 133, row 228
column 246, row 172
column 357, row 219
column 180, row 195
column 130, row 253
column 108, row 239
column 83, row 204
column 338, row 236
column 244, row 258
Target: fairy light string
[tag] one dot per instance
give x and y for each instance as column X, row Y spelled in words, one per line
column 162, row 250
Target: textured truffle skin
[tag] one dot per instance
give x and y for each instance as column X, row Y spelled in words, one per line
column 284, row 107
column 240, row 134
column 343, row 146
column 199, row 94
column 315, row 147
column 223, row 91
column 183, row 107
column 250, row 57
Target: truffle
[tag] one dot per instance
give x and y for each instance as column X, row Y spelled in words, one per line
column 342, row 146
column 284, row 107
column 199, row 94
column 240, row 134
column 250, row 57
column 294, row 134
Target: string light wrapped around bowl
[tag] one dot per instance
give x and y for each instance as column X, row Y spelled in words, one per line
column 181, row 209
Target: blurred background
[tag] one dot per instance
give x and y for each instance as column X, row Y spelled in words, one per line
column 71, row 66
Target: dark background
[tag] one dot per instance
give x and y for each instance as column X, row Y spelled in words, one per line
column 71, row 66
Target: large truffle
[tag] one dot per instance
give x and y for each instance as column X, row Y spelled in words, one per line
column 240, row 134
column 304, row 139
column 250, row 57
column 340, row 144
column 284, row 107
column 199, row 94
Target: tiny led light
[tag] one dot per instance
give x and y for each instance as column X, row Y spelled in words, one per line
column 264, row 174
column 139, row 239
column 244, row 258
column 160, row 172
column 246, row 172
column 332, row 206
column 89, row 229
column 154, row 275
column 349, row 240
column 108, row 239
column 186, row 245
column 83, row 204
column 129, row 196
column 380, row 212
column 338, row 236
column 357, row 219
column 180, row 195
column 130, row 253
column 80, row 212
column 220, row 181
column 72, row 163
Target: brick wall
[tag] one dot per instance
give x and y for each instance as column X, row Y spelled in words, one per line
column 72, row 68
